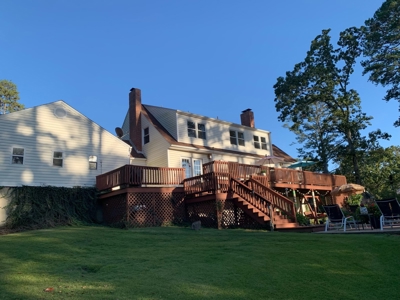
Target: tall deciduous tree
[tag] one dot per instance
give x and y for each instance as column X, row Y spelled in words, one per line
column 316, row 137
column 9, row 97
column 381, row 45
column 323, row 80
column 380, row 170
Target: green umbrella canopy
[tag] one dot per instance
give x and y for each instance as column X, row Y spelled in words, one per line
column 301, row 164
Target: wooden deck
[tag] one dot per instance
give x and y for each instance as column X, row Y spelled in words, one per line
column 229, row 194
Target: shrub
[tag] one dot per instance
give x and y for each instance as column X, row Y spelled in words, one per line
column 33, row 207
column 302, row 220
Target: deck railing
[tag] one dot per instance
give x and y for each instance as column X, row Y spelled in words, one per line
column 277, row 200
column 233, row 169
column 130, row 175
column 216, row 175
column 207, row 183
column 273, row 175
column 252, row 196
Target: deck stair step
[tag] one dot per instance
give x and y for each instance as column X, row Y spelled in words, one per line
column 280, row 221
column 251, row 211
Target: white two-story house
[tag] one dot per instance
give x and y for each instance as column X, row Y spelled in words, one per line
column 173, row 138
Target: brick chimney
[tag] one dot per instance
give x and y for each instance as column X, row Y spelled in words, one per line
column 135, row 125
column 247, row 118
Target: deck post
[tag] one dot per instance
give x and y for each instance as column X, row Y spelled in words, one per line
column 315, row 206
column 294, row 199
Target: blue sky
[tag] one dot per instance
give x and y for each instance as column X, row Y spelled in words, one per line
column 211, row 57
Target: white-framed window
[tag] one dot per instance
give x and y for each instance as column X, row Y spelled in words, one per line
column 232, row 135
column 187, row 166
column 201, row 130
column 240, row 138
column 17, row 156
column 256, row 142
column 57, row 159
column 146, row 135
column 197, row 167
column 263, row 143
column 92, row 162
column 192, row 166
column 191, row 129
column 236, row 137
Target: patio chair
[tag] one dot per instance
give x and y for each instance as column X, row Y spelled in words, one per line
column 363, row 217
column 390, row 210
column 337, row 218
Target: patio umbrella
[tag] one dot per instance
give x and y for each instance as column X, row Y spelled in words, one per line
column 301, row 164
column 269, row 159
column 349, row 189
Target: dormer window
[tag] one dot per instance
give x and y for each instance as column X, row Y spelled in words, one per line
column 263, row 143
column 236, row 137
column 201, row 130
column 256, row 142
column 191, row 129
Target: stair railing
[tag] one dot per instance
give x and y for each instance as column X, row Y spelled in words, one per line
column 252, row 197
column 277, row 200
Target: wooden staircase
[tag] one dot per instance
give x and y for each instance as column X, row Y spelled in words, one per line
column 250, row 210
column 263, row 204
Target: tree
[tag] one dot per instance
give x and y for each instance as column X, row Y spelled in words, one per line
column 9, row 97
column 381, row 45
column 380, row 169
column 316, row 137
column 322, row 80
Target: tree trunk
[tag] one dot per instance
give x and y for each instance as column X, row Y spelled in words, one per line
column 356, row 169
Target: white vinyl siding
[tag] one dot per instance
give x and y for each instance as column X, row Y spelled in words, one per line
column 219, row 134
column 40, row 132
column 156, row 151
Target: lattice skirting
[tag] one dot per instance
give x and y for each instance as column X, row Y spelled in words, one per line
column 145, row 209
column 114, row 209
column 232, row 216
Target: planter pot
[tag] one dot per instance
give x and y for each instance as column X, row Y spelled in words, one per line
column 375, row 222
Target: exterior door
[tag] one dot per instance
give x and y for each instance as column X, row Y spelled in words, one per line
column 193, row 167
column 186, row 165
column 197, row 167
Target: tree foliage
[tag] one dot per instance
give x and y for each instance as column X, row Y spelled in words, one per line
column 9, row 97
column 316, row 137
column 380, row 170
column 381, row 45
column 322, row 82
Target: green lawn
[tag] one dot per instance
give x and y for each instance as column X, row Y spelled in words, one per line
column 178, row 263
